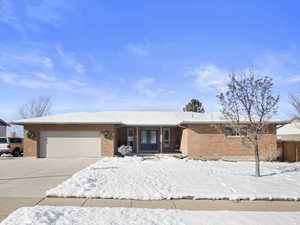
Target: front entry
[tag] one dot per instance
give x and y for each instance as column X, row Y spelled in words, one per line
column 149, row 141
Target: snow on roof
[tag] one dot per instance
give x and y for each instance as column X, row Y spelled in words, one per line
column 288, row 129
column 3, row 123
column 130, row 118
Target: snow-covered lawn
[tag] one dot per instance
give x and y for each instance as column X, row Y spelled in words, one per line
column 50, row 215
column 135, row 178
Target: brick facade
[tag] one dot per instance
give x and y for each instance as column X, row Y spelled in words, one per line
column 208, row 142
column 184, row 142
column 203, row 141
column 31, row 145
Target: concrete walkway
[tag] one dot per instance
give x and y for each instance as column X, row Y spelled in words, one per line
column 8, row 205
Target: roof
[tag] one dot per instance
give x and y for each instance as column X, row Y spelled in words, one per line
column 131, row 118
column 292, row 128
column 3, row 123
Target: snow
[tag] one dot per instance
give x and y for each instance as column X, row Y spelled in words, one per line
column 131, row 118
column 5, row 155
column 50, row 215
column 289, row 129
column 168, row 178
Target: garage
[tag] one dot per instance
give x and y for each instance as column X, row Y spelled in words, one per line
column 63, row 144
column 290, row 150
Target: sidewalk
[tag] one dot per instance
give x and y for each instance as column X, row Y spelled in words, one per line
column 8, row 205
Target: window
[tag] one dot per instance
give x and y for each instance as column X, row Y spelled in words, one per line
column 143, row 137
column 153, row 137
column 15, row 140
column 149, row 137
column 230, row 131
column 235, row 131
column 166, row 136
column 3, row 140
column 130, row 135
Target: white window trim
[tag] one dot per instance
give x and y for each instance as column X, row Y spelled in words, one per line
column 169, row 130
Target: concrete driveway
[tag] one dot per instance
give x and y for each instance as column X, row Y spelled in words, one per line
column 24, row 182
column 31, row 177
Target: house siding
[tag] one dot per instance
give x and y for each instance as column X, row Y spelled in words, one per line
column 289, row 137
column 2, row 131
column 31, row 145
column 208, row 142
column 290, row 149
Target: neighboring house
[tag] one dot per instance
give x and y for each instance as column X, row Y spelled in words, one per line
column 101, row 133
column 289, row 131
column 3, row 126
column 289, row 141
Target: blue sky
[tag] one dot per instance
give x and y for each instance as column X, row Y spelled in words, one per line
column 142, row 55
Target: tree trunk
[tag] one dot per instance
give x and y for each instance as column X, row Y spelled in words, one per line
column 257, row 166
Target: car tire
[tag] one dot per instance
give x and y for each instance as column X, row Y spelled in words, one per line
column 16, row 152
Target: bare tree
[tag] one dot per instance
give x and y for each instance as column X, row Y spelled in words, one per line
column 36, row 107
column 249, row 103
column 295, row 101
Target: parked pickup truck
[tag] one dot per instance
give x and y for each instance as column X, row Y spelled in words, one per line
column 11, row 145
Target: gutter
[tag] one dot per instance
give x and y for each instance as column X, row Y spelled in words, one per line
column 282, row 122
column 64, row 123
column 93, row 123
column 146, row 125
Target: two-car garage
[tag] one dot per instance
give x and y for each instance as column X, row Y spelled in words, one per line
column 63, row 144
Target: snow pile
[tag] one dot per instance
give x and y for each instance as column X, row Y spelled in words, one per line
column 135, row 178
column 50, row 215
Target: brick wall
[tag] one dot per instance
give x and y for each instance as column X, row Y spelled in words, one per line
column 184, row 142
column 197, row 141
column 31, row 145
column 208, row 141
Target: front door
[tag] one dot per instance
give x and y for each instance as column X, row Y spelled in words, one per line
column 149, row 141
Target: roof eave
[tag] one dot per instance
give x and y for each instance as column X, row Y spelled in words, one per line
column 2, row 122
column 228, row 122
column 150, row 125
column 65, row 123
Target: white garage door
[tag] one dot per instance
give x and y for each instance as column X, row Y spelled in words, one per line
column 62, row 144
